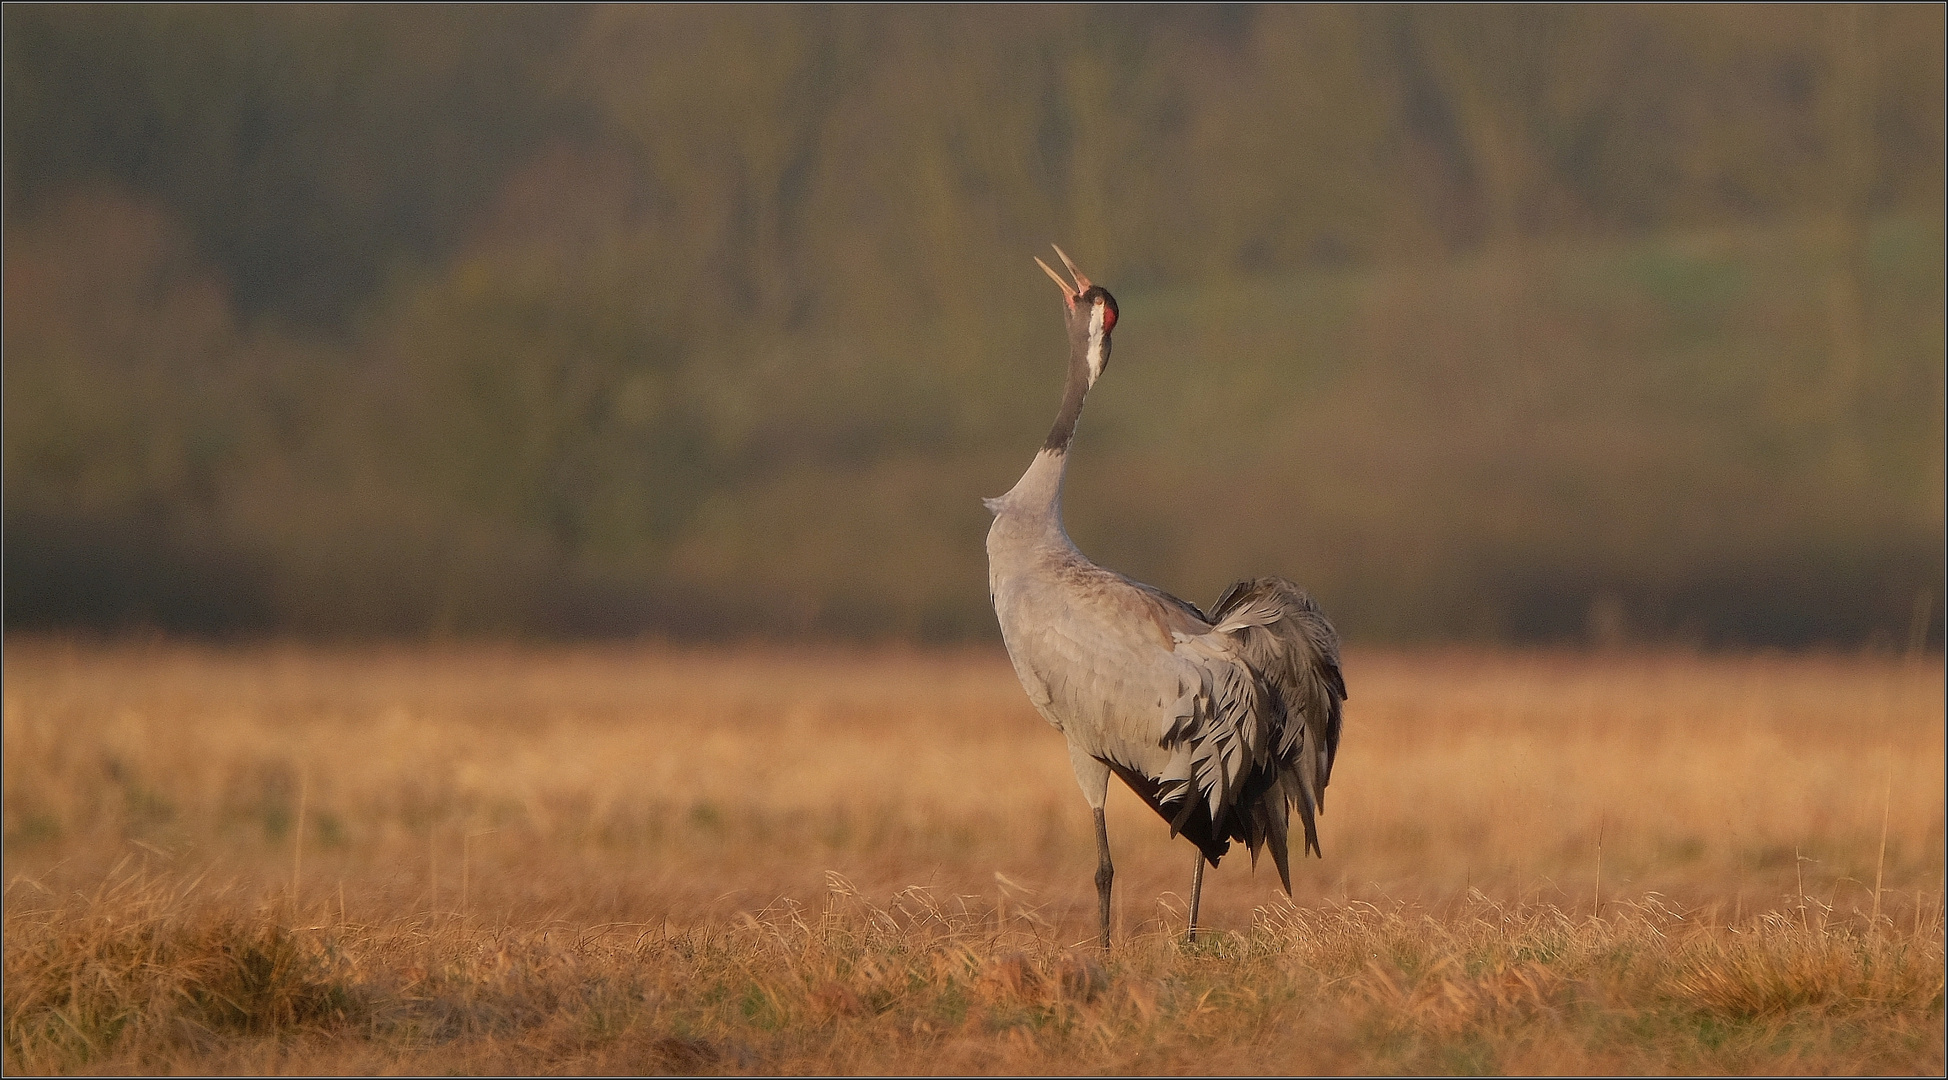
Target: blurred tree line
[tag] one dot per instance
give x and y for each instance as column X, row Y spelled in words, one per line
column 1503, row 323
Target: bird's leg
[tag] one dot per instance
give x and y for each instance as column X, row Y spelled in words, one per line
column 1196, row 892
column 1105, row 873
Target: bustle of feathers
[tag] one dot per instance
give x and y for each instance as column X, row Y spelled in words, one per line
column 1256, row 738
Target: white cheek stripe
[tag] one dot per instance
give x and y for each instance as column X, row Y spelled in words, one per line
column 1095, row 342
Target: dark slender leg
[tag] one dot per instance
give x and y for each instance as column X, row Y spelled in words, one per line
column 1196, row 893
column 1105, row 873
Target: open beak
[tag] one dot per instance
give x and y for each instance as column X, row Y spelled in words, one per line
column 1069, row 292
column 1081, row 279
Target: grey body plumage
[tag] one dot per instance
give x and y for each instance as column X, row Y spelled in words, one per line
column 1223, row 723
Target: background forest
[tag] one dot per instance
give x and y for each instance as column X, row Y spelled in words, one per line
column 1597, row 324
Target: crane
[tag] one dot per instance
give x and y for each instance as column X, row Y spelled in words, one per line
column 1222, row 723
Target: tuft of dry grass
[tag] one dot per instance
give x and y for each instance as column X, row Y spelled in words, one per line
column 140, row 977
column 647, row 860
column 141, row 966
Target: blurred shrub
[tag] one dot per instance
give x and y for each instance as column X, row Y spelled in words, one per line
column 1504, row 323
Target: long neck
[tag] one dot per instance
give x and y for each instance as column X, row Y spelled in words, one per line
column 1072, row 396
column 1039, row 491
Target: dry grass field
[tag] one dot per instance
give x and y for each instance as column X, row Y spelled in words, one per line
column 622, row 859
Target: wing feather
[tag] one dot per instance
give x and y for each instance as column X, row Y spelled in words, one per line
column 1251, row 725
column 1256, row 728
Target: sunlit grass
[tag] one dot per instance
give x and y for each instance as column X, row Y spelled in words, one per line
column 637, row 860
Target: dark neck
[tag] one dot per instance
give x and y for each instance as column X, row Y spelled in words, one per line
column 1072, row 395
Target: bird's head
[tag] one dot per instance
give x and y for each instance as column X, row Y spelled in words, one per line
column 1091, row 315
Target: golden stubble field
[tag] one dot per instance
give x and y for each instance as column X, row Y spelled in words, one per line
column 483, row 858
